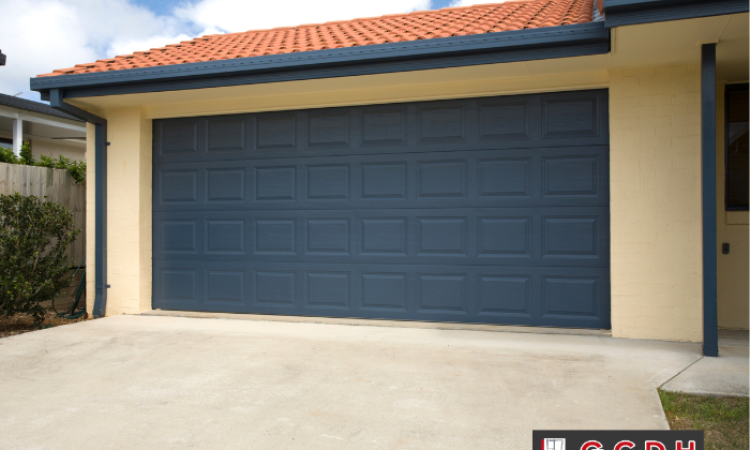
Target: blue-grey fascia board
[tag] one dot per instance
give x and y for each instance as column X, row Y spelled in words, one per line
column 57, row 101
column 619, row 13
column 507, row 46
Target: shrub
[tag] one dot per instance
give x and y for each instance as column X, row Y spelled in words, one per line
column 76, row 168
column 25, row 155
column 7, row 156
column 34, row 237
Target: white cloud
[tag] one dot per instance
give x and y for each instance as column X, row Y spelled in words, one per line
column 39, row 36
column 127, row 45
column 253, row 15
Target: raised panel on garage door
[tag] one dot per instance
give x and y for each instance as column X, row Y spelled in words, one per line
column 492, row 210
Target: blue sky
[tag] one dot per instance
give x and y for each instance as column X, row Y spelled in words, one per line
column 42, row 35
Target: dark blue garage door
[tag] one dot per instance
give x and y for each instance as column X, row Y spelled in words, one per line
column 491, row 210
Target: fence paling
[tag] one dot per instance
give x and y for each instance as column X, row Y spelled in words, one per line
column 52, row 185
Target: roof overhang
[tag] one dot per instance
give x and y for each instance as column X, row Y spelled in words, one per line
column 646, row 45
column 631, row 12
column 489, row 48
column 567, row 49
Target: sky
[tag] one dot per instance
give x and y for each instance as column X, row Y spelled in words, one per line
column 39, row 36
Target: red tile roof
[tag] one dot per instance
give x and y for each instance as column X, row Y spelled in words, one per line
column 462, row 21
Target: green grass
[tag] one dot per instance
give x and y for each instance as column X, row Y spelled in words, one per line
column 723, row 419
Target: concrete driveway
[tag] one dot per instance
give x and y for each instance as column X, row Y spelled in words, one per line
column 142, row 382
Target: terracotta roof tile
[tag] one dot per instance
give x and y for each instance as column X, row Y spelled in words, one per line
column 446, row 22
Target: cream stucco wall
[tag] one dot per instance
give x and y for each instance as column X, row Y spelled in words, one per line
column 655, row 173
column 655, row 200
column 732, row 228
column 48, row 147
column 128, row 211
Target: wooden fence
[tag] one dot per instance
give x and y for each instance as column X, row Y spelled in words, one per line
column 52, row 185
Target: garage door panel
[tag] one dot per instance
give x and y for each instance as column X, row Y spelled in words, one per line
column 179, row 138
column 524, row 121
column 452, row 293
column 381, row 126
column 384, row 291
column 492, row 210
column 227, row 135
column 477, row 236
column 509, row 119
column 568, row 176
column 505, row 295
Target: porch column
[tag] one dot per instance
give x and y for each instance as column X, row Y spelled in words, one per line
column 17, row 136
column 708, row 135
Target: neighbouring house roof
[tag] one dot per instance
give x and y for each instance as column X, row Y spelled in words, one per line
column 28, row 105
column 395, row 28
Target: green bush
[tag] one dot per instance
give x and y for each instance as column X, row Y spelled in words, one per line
column 34, row 237
column 25, row 155
column 76, row 168
column 7, row 156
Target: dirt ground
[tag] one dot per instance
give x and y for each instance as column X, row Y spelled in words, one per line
column 23, row 323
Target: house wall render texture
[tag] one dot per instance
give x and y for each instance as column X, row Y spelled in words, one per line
column 655, row 202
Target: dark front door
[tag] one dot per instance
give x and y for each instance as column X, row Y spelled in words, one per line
column 491, row 210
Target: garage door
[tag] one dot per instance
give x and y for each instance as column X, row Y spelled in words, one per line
column 491, row 210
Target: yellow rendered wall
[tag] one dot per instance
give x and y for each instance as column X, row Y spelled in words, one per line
column 49, row 147
column 655, row 172
column 655, row 202
column 128, row 211
column 732, row 227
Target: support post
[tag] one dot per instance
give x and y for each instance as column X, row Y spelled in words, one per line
column 100, row 219
column 17, row 136
column 708, row 134
column 56, row 98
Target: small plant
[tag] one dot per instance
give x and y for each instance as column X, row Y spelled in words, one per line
column 34, row 237
column 7, row 156
column 25, row 155
column 76, row 168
